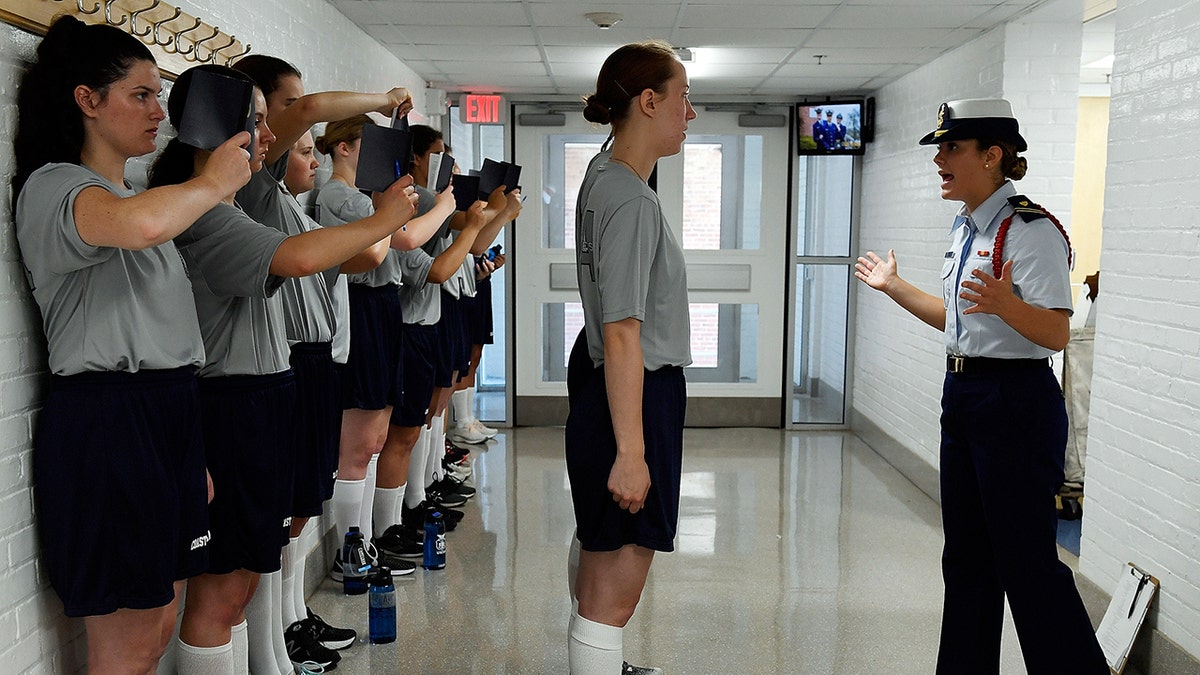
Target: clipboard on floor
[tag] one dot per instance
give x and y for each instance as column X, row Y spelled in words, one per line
column 1131, row 600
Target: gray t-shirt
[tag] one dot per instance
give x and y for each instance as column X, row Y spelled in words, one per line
column 103, row 308
column 465, row 276
column 629, row 264
column 228, row 258
column 421, row 302
column 307, row 307
column 338, row 204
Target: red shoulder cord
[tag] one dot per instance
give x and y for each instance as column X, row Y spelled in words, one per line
column 1002, row 233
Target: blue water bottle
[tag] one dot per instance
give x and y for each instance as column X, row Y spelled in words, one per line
column 382, row 598
column 354, row 563
column 435, row 541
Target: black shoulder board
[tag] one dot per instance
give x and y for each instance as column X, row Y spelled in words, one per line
column 1025, row 208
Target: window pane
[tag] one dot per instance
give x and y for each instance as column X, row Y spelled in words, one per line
column 722, row 192
column 566, row 163
column 819, row 358
column 724, row 341
column 824, row 204
column 702, row 196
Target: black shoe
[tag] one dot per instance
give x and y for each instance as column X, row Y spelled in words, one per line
column 303, row 647
column 330, row 637
column 450, row 486
column 627, row 669
column 398, row 567
column 435, row 493
column 400, row 542
column 414, row 518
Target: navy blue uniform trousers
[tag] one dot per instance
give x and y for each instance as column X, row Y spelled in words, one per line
column 1003, row 441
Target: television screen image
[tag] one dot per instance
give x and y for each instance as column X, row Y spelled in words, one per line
column 830, row 128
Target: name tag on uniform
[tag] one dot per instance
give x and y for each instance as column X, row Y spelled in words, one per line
column 949, row 254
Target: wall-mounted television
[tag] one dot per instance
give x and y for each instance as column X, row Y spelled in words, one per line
column 830, row 127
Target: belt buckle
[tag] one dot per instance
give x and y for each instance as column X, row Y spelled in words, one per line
column 956, row 364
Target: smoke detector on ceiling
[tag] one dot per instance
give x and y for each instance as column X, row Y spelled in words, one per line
column 604, row 20
column 686, row 55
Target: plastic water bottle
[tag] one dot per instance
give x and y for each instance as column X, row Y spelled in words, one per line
column 435, row 541
column 354, row 563
column 383, row 607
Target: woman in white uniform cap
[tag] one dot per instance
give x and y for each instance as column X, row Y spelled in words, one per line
column 1006, row 300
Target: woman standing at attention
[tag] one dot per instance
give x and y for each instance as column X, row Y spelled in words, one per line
column 1006, row 300
column 624, row 436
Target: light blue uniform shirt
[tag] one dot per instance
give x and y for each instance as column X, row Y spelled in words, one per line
column 1040, row 274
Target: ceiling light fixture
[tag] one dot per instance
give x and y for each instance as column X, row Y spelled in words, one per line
column 604, row 20
column 686, row 55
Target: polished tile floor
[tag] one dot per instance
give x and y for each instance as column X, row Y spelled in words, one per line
column 798, row 552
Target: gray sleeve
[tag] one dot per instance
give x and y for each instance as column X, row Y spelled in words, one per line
column 45, row 220
column 231, row 253
column 414, row 267
column 349, row 205
column 625, row 248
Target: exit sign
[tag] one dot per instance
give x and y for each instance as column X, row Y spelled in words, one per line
column 482, row 109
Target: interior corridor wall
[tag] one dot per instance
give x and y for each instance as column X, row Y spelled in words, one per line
column 333, row 54
column 899, row 362
column 1143, row 470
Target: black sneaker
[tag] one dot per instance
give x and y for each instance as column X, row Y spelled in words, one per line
column 434, row 493
column 450, row 485
column 381, row 558
column 627, row 669
column 336, row 572
column 400, row 542
column 330, row 637
column 414, row 518
column 302, row 647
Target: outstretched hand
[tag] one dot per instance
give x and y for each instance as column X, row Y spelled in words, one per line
column 875, row 271
column 990, row 295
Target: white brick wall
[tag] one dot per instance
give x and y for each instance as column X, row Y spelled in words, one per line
column 1143, row 472
column 898, row 361
column 34, row 635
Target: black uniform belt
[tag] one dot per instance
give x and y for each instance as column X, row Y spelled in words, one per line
column 983, row 364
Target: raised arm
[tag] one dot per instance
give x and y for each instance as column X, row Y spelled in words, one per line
column 420, row 229
column 328, row 106
column 502, row 216
column 159, row 214
column 318, row 250
column 449, row 261
column 882, row 276
column 1049, row 328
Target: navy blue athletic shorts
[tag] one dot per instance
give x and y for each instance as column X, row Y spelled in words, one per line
column 247, row 434
column 375, row 347
column 118, row 463
column 591, row 448
column 477, row 313
column 317, row 428
column 450, row 343
column 420, row 351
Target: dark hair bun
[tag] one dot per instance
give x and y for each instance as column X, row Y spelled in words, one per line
column 1018, row 169
column 596, row 111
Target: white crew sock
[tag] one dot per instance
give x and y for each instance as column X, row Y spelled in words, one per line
column 347, row 502
column 288, row 577
column 469, row 393
column 259, row 632
column 573, row 570
column 241, row 649
column 366, row 511
column 398, row 512
column 280, row 645
column 414, row 493
column 460, row 407
column 385, row 505
column 437, row 450
column 299, row 560
column 206, row 660
column 594, row 648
